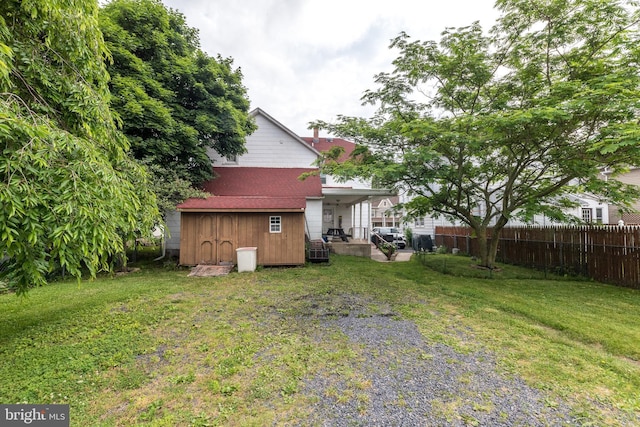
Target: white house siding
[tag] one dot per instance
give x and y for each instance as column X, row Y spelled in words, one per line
column 270, row 146
column 313, row 218
column 173, row 225
column 342, row 217
column 352, row 183
column 427, row 225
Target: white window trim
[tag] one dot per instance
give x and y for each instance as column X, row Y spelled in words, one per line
column 230, row 160
column 275, row 224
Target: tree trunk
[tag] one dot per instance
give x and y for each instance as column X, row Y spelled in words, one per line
column 488, row 248
column 483, row 249
column 493, row 248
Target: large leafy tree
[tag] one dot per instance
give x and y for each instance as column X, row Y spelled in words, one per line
column 483, row 128
column 69, row 193
column 174, row 101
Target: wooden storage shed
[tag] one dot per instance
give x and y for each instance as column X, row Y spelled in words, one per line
column 252, row 207
column 213, row 237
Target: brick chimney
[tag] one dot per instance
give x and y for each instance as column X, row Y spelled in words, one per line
column 315, row 135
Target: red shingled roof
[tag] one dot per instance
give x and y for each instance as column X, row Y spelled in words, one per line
column 244, row 203
column 325, row 144
column 257, row 188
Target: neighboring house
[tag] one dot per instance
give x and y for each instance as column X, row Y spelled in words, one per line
column 631, row 177
column 260, row 201
column 589, row 209
column 383, row 213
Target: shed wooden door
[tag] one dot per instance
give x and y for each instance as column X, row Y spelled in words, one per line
column 226, row 224
column 207, row 246
column 208, row 238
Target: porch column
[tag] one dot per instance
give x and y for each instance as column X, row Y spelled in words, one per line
column 360, row 228
column 353, row 221
column 369, row 220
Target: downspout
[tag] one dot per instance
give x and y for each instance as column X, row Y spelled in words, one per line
column 306, row 225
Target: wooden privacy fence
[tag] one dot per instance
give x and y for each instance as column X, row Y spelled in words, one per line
column 609, row 254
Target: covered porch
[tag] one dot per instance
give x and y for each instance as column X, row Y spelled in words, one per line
column 349, row 210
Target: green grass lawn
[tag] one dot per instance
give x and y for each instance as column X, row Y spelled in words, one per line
column 157, row 347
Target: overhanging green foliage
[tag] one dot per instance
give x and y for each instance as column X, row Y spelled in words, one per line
column 69, row 193
column 174, row 100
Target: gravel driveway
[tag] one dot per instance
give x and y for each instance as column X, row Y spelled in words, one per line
column 399, row 379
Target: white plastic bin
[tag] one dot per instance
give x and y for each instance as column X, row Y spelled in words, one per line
column 247, row 259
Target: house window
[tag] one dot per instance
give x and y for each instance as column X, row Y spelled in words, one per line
column 586, row 214
column 275, row 224
column 323, row 178
column 231, row 159
column 599, row 215
column 419, row 222
column 327, row 215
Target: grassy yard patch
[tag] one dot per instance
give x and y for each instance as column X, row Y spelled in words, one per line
column 157, row 347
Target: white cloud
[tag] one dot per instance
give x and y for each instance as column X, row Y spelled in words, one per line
column 305, row 60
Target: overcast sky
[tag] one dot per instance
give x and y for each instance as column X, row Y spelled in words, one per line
column 306, row 60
